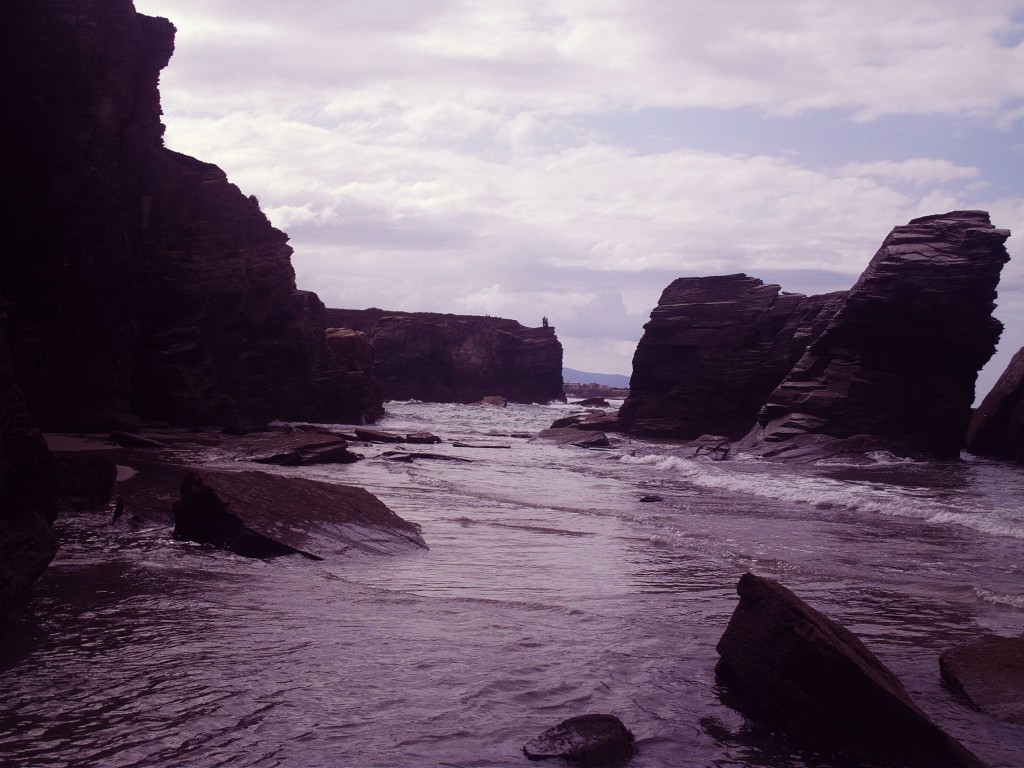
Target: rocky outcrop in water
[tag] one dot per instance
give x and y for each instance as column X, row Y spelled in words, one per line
column 257, row 514
column 714, row 350
column 458, row 358
column 997, row 426
column 28, row 483
column 899, row 360
column 989, row 673
column 800, row 671
column 141, row 282
column 586, row 739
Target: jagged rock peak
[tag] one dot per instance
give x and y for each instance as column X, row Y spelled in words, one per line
column 898, row 361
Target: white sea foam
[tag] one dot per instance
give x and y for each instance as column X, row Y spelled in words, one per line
column 987, row 595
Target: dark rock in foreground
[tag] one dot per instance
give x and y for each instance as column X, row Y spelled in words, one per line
column 806, row 674
column 990, row 674
column 997, row 426
column 587, row 739
column 262, row 515
column 713, row 351
column 898, row 361
column 85, row 480
column 458, row 358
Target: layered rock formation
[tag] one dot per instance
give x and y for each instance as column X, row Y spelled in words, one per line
column 27, row 488
column 458, row 358
column 997, row 426
column 898, row 361
column 142, row 283
column 802, row 672
column 714, row 349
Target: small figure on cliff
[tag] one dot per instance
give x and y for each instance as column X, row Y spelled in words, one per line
column 544, row 321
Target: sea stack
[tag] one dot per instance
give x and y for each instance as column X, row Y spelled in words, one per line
column 997, row 426
column 896, row 366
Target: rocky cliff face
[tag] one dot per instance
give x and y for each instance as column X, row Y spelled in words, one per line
column 713, row 351
column 143, row 283
column 899, row 360
column 458, row 358
column 997, row 426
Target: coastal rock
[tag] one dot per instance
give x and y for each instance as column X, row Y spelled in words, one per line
column 898, row 361
column 458, row 358
column 713, row 351
column 802, row 672
column 573, row 436
column 330, row 452
column 28, row 482
column 596, row 421
column 989, row 673
column 85, row 480
column 587, row 739
column 142, row 283
column 257, row 514
column 997, row 426
column 378, row 436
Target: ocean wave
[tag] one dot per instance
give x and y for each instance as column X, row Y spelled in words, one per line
column 988, row 596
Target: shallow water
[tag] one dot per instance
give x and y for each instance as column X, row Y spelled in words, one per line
column 549, row 590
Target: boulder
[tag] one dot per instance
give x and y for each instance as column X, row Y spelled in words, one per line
column 898, row 361
column 587, row 739
column 378, row 436
column 257, row 514
column 989, row 673
column 712, row 352
column 801, row 672
column 997, row 426
column 572, row 436
column 422, row 438
column 597, row 421
column 331, row 452
column 592, row 402
column 458, row 358
column 85, row 480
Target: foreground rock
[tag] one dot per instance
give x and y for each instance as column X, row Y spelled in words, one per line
column 997, row 426
column 898, row 361
column 714, row 350
column 587, row 739
column 989, row 673
column 262, row 515
column 811, row 677
column 142, row 283
column 458, row 358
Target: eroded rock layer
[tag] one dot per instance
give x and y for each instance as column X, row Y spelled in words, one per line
column 458, row 358
column 898, row 361
column 714, row 349
column 997, row 426
column 141, row 282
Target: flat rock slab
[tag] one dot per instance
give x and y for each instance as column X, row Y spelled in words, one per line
column 573, row 436
column 331, row 452
column 243, row 511
column 803, row 673
column 990, row 674
column 587, row 739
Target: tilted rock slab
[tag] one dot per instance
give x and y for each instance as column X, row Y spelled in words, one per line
column 899, row 360
column 806, row 674
column 997, row 426
column 713, row 351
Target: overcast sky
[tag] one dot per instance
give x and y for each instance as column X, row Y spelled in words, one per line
column 570, row 158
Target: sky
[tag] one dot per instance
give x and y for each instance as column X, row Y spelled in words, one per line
column 570, row 158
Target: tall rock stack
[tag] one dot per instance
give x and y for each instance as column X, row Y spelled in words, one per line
column 142, row 283
column 458, row 358
column 714, row 349
column 899, row 360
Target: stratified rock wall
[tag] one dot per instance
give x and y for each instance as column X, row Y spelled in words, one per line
column 898, row 362
column 997, row 426
column 714, row 349
column 458, row 358
column 143, row 283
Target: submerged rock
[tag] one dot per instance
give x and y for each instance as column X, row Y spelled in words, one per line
column 587, row 739
column 997, row 426
column 331, row 452
column 257, row 514
column 989, row 673
column 804, row 673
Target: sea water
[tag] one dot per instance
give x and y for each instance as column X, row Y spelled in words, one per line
column 550, row 590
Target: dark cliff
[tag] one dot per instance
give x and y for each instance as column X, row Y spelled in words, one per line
column 142, row 283
column 714, row 349
column 899, row 360
column 997, row 426
column 458, row 358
